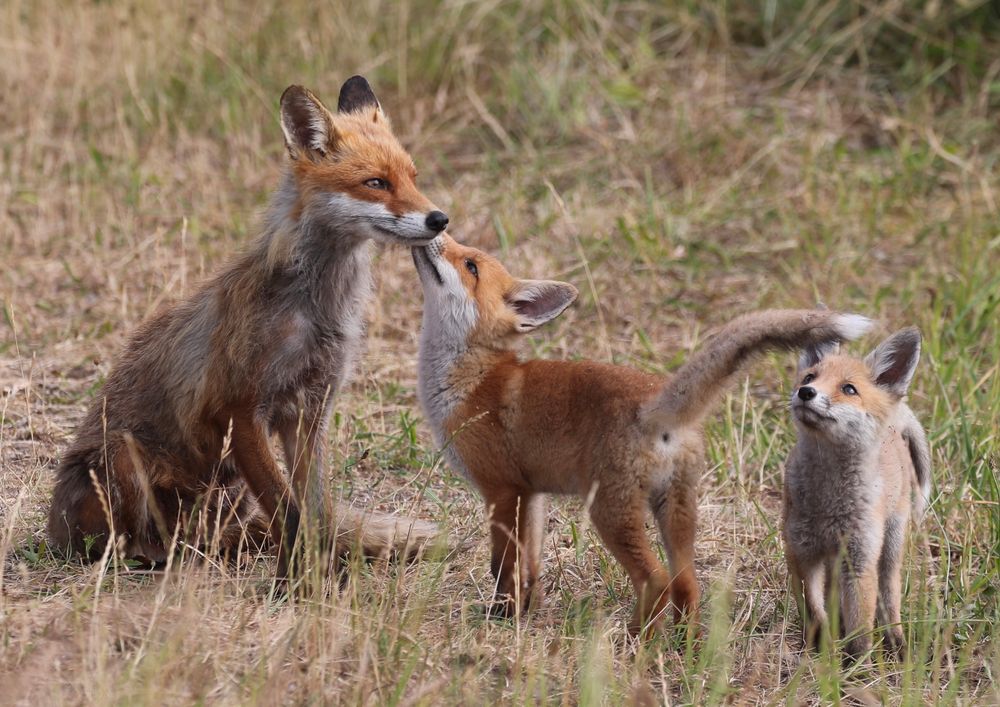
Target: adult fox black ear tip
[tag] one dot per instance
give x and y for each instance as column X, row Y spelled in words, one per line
column 357, row 81
column 355, row 94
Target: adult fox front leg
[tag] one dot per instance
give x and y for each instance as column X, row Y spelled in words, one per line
column 261, row 348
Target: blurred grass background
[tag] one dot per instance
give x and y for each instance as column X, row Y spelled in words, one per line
column 680, row 162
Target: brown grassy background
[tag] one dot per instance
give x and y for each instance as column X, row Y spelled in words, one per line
column 679, row 162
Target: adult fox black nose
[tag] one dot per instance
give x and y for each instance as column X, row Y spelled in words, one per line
column 436, row 221
column 807, row 392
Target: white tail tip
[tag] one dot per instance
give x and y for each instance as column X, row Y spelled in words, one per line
column 851, row 326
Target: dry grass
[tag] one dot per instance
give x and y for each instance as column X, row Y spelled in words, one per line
column 679, row 162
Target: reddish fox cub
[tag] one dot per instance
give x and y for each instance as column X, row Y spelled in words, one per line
column 185, row 419
column 629, row 440
column 861, row 460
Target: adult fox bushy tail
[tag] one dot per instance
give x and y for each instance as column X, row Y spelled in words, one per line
column 629, row 441
column 185, row 420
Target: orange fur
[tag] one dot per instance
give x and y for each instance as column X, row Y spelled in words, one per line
column 629, row 441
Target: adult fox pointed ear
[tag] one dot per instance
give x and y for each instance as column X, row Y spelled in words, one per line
column 894, row 361
column 356, row 95
column 536, row 302
column 307, row 124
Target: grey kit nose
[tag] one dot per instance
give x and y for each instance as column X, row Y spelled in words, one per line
column 807, row 392
column 436, row 221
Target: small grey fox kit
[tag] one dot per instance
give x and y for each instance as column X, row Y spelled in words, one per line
column 861, row 461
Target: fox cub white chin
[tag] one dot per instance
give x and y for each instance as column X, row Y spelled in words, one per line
column 860, row 464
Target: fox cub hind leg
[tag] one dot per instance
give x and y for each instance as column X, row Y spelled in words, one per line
column 517, row 530
column 623, row 532
column 676, row 513
column 890, row 583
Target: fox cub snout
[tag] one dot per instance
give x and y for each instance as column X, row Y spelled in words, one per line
column 860, row 463
column 629, row 441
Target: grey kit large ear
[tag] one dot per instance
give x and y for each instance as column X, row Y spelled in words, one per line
column 357, row 95
column 306, row 123
column 813, row 354
column 894, row 361
column 539, row 301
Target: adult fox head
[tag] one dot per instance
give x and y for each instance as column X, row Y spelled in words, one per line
column 349, row 169
column 471, row 299
column 843, row 398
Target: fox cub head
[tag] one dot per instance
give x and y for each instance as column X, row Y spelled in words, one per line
column 470, row 299
column 842, row 398
column 351, row 171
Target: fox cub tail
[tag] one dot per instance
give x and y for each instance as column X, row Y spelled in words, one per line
column 706, row 376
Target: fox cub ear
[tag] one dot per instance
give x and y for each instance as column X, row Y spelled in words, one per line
column 307, row 124
column 814, row 353
column 357, row 95
column 894, row 361
column 536, row 302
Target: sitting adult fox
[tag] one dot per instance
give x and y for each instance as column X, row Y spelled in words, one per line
column 185, row 418
column 630, row 440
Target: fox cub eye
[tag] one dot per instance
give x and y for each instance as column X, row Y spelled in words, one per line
column 376, row 183
column 810, row 377
column 471, row 267
column 848, row 389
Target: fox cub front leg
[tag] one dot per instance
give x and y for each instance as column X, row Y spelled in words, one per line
column 858, row 601
column 808, row 580
column 517, row 529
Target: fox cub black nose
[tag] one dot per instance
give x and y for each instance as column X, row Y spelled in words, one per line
column 436, row 221
column 807, row 392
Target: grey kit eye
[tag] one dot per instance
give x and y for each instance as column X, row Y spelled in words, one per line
column 848, row 389
column 471, row 267
column 810, row 377
column 377, row 183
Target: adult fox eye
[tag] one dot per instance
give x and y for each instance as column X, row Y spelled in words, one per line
column 376, row 183
column 849, row 389
column 808, row 379
column 471, row 267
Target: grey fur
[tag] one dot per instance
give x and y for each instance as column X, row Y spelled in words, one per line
column 849, row 492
